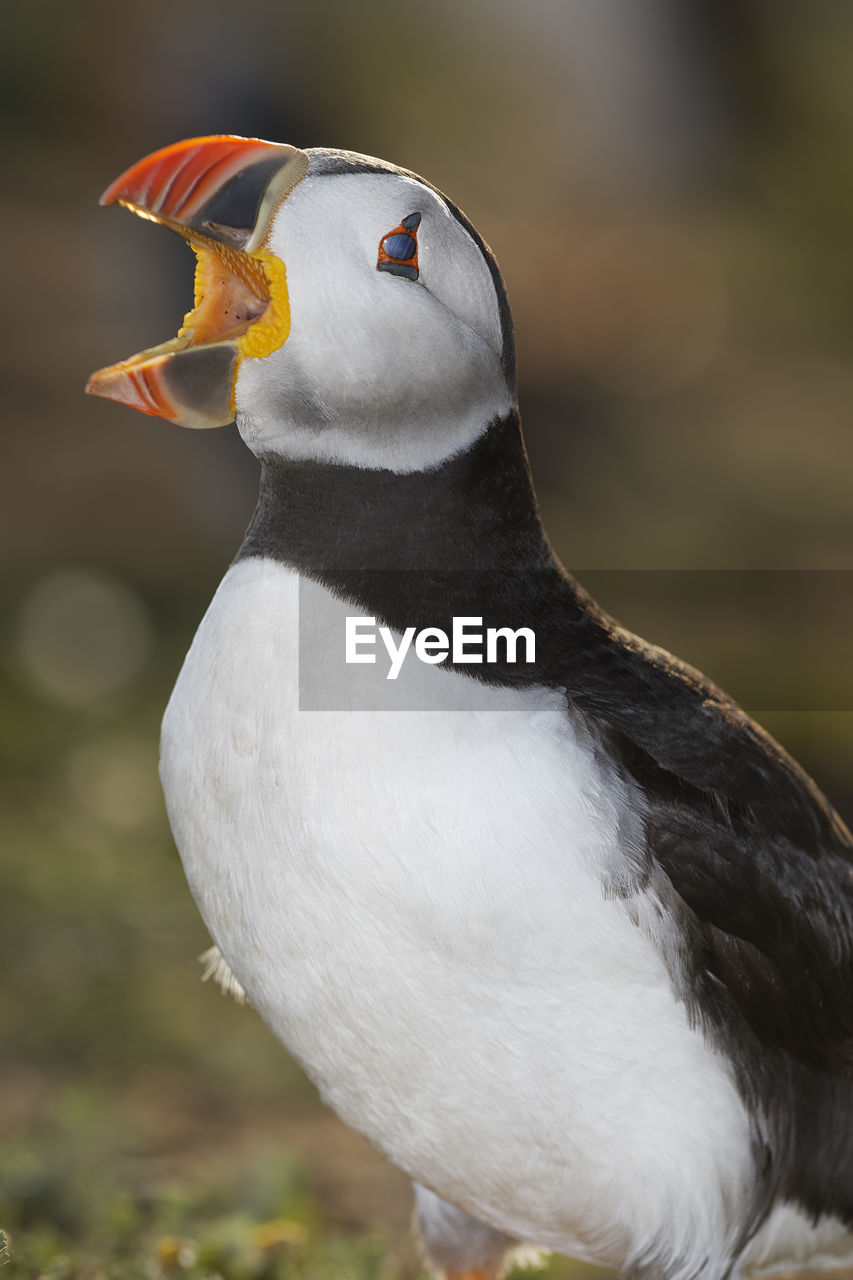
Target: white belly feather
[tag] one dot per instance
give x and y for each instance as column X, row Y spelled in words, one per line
column 413, row 902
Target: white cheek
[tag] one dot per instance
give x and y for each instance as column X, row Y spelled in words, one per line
column 390, row 381
column 376, row 371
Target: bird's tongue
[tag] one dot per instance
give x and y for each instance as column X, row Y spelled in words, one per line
column 219, row 193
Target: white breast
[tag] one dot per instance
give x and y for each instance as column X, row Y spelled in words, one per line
column 413, row 901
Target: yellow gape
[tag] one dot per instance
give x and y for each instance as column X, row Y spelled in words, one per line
column 241, row 296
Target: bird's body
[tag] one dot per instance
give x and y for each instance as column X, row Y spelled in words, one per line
column 443, row 963
column 573, row 946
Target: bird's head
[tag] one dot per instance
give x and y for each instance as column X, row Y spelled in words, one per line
column 344, row 311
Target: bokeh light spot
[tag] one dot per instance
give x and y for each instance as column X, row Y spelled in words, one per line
column 114, row 780
column 82, row 635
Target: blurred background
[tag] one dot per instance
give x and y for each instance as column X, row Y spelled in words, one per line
column 668, row 186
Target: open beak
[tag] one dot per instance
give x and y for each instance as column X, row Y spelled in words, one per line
column 220, row 193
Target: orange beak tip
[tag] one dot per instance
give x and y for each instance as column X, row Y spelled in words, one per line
column 92, row 388
column 139, row 388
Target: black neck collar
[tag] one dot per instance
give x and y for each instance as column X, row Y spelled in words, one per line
column 417, row 549
column 475, row 512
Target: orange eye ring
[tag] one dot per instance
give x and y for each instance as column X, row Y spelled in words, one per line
column 398, row 249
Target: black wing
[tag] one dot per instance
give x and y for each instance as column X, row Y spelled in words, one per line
column 760, row 861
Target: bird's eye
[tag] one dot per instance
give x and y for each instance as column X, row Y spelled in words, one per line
column 398, row 250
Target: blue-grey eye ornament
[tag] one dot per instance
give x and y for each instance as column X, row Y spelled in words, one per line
column 398, row 251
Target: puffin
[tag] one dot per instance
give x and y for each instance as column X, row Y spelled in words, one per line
column 555, row 925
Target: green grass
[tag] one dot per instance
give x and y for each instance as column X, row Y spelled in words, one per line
column 77, row 1206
